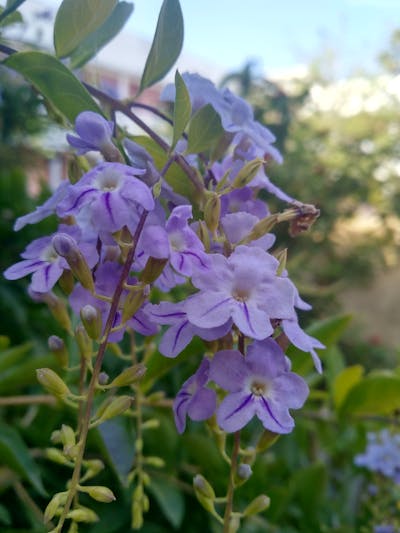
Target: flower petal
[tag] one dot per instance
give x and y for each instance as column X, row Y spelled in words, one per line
column 274, row 416
column 290, row 389
column 228, row 369
column 251, row 320
column 203, row 404
column 176, row 338
column 209, row 309
column 235, row 411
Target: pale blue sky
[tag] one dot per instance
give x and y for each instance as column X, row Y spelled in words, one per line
column 280, row 33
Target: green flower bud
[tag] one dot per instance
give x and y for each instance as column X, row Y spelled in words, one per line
column 212, row 212
column 282, row 258
column 204, row 235
column 53, row 506
column 137, row 515
column 91, row 320
column 115, row 408
column 157, row 462
column 57, row 347
column 153, row 423
column 157, row 188
column 67, row 435
column 52, row 382
column 83, row 514
column 258, row 505
column 55, row 455
column 247, row 173
column 66, row 247
column 57, row 308
column 99, row 493
column 133, row 301
column 84, row 342
column 153, row 269
column 260, row 229
column 67, row 282
column 203, row 487
column 267, row 439
column 129, row 376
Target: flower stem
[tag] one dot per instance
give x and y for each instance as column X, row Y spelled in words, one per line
column 231, row 485
column 96, row 371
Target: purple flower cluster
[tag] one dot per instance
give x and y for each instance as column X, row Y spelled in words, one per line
column 382, row 454
column 235, row 288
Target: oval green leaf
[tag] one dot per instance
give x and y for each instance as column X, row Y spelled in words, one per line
column 344, row 382
column 103, row 35
column 374, row 395
column 54, row 81
column 15, row 454
column 182, row 109
column 169, row 498
column 204, row 130
column 167, row 44
column 76, row 19
column 10, row 8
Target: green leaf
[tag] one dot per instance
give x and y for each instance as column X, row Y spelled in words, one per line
column 11, row 6
column 330, row 330
column 167, row 44
column 55, row 82
column 76, row 19
column 19, row 376
column 374, row 395
column 116, row 440
column 5, row 517
column 15, row 454
column 204, row 129
column 344, row 382
column 103, row 35
column 182, row 109
column 9, row 358
column 169, row 498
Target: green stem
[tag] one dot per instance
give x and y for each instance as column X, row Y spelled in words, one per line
column 231, row 485
column 96, row 371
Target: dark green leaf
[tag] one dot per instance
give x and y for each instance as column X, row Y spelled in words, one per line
column 15, row 454
column 54, row 81
column 204, row 129
column 5, row 517
column 116, row 439
column 169, row 498
column 103, row 35
column 167, row 44
column 374, row 395
column 182, row 109
column 19, row 376
column 76, row 19
column 9, row 358
column 11, row 6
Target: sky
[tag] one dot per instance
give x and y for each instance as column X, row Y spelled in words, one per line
column 281, row 34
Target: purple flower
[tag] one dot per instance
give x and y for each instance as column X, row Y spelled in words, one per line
column 236, row 226
column 243, row 200
column 107, row 198
column 94, row 133
column 259, row 384
column 41, row 260
column 107, row 276
column 382, row 454
column 243, row 287
column 194, row 399
column 304, row 342
column 45, row 210
column 181, row 332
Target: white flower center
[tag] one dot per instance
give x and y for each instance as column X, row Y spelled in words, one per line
column 108, row 180
column 49, row 254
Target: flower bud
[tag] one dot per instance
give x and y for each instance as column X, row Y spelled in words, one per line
column 133, row 302
column 54, row 504
column 91, row 319
column 115, row 408
column 66, row 247
column 282, row 258
column 84, row 343
column 258, row 505
column 267, row 439
column 99, row 493
column 83, row 514
column 157, row 188
column 152, row 270
column 204, row 235
column 153, row 423
column 93, row 467
column 67, row 436
column 203, row 487
column 103, row 378
column 154, row 461
column 244, row 471
column 57, row 307
column 260, row 229
column 212, row 212
column 55, row 455
column 57, row 347
column 67, row 282
column 247, row 173
column 128, row 376
column 52, row 382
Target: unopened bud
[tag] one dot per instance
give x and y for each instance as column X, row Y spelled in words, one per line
column 93, row 467
column 204, row 235
column 67, row 282
column 157, row 188
column 133, row 302
column 103, row 378
column 247, row 173
column 55, row 455
column 54, row 504
column 282, row 258
column 212, row 212
column 67, row 436
column 267, row 439
column 128, row 376
column 115, row 408
column 57, row 347
column 52, row 382
column 153, row 423
column 99, row 493
column 57, row 307
column 91, row 319
column 154, row 461
column 258, row 505
column 244, row 471
column 84, row 342
column 83, row 514
column 203, row 487
column 153, row 269
column 260, row 229
column 66, row 247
